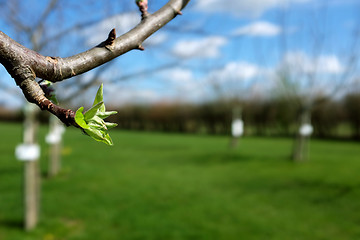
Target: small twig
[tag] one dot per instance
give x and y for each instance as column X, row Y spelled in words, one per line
column 67, row 116
column 143, row 7
column 141, row 48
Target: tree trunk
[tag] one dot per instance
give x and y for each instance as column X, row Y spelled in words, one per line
column 55, row 142
column 54, row 159
column 237, row 127
column 300, row 152
column 31, row 172
column 301, row 144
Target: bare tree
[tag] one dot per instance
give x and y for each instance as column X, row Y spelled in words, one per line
column 304, row 78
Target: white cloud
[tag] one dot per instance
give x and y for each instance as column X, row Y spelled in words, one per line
column 299, row 62
column 181, row 78
column 330, row 64
column 180, row 75
column 242, row 8
column 184, row 86
column 125, row 95
column 260, row 28
column 235, row 71
column 310, row 76
column 238, row 78
column 201, row 48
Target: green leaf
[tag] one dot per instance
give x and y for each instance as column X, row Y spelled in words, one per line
column 99, row 98
column 92, row 111
column 79, row 118
column 110, row 125
column 92, row 120
column 104, row 115
column 97, row 126
column 95, row 134
column 108, row 140
column 99, row 135
column 98, row 121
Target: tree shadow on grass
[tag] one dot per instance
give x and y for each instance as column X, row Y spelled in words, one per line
column 317, row 191
column 11, row 223
column 330, row 191
column 218, row 158
column 231, row 157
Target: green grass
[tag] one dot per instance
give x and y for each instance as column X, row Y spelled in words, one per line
column 168, row 186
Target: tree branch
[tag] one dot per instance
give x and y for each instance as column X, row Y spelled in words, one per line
column 24, row 65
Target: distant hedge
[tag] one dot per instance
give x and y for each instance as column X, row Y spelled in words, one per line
column 10, row 115
column 274, row 117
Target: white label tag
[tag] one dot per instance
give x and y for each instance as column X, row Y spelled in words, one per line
column 306, row 130
column 27, row 152
column 55, row 135
column 237, row 128
column 53, row 138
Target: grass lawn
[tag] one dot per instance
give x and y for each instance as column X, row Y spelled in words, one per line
column 168, row 186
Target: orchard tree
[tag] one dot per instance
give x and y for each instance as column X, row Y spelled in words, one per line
column 305, row 77
column 25, row 65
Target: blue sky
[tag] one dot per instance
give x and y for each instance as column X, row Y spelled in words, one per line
column 219, row 48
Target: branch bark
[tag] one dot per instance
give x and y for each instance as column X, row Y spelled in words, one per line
column 24, row 65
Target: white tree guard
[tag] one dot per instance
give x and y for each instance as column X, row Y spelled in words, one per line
column 27, row 152
column 237, row 128
column 306, row 130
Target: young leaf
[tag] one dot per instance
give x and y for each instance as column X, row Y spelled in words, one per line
column 108, row 139
column 99, row 98
column 92, row 120
column 98, row 121
column 110, row 125
column 99, row 135
column 79, row 118
column 97, row 126
column 104, row 115
column 92, row 111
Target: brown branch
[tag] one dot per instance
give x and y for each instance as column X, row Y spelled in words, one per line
column 24, row 65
